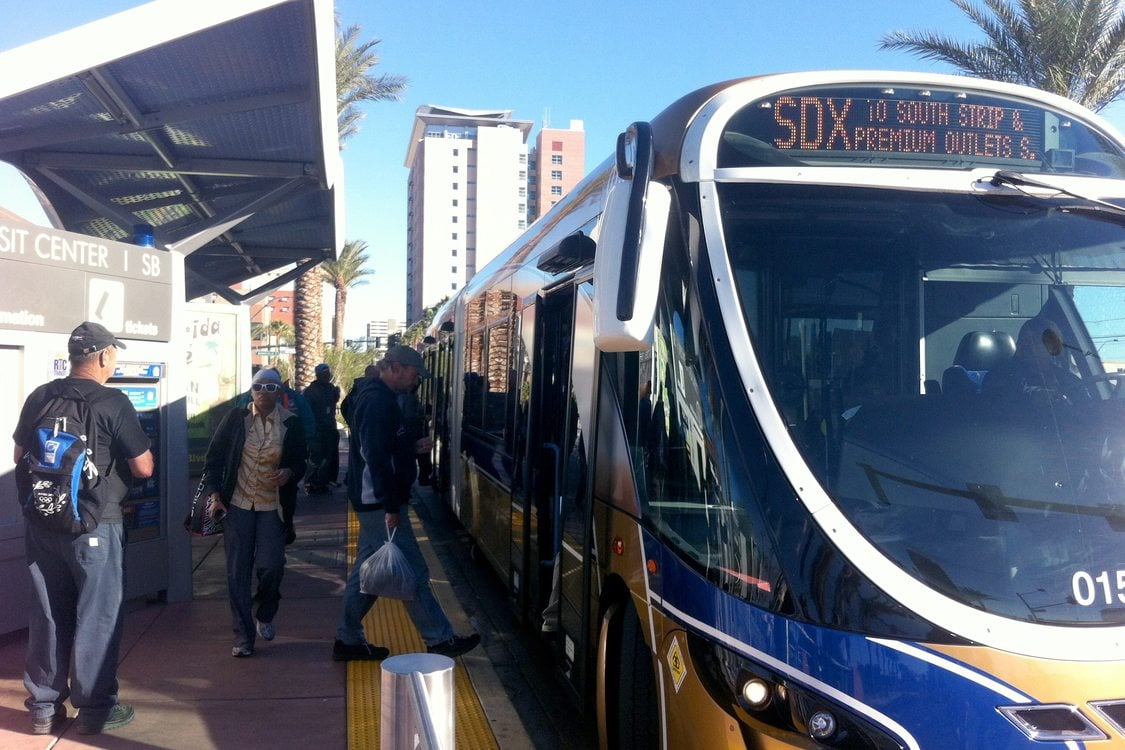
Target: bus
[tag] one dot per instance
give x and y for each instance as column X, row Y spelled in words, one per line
column 799, row 422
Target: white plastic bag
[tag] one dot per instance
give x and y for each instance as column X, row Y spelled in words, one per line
column 387, row 573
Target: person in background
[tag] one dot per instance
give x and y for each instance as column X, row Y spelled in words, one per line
column 322, row 396
column 381, row 471
column 349, row 400
column 254, row 463
column 78, row 582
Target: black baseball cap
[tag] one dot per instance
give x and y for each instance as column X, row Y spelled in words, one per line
column 89, row 337
column 405, row 355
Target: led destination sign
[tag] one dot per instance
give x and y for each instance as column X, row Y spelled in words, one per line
column 888, row 125
column 821, row 123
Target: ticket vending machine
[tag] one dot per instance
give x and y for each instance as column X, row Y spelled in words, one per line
column 148, row 519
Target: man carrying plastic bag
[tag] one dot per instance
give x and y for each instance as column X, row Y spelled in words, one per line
column 381, row 471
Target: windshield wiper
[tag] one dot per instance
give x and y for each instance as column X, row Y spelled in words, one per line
column 1094, row 207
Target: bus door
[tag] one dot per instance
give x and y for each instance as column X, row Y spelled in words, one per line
column 562, row 374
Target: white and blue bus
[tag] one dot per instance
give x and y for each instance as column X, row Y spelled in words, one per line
column 799, row 422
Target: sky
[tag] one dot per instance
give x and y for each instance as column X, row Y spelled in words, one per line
column 604, row 62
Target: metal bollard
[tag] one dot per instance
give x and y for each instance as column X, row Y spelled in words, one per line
column 416, row 703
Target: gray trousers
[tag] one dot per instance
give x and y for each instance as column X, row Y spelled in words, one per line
column 255, row 545
column 74, row 580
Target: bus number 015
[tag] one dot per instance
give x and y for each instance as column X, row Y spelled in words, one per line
column 1086, row 587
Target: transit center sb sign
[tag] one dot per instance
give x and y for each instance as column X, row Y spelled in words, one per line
column 53, row 280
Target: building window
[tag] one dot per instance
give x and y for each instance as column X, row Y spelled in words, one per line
column 453, row 286
column 454, row 201
column 455, row 219
column 556, row 189
column 522, row 208
column 454, row 253
column 455, row 186
column 454, row 235
column 523, row 174
column 456, row 168
column 454, row 269
column 556, row 159
column 556, row 145
column 456, row 152
column 523, row 224
column 556, row 175
column 523, row 192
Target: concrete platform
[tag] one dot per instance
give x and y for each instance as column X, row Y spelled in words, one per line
column 188, row 692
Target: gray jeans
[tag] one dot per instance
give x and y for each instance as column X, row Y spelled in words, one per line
column 255, row 545
column 74, row 580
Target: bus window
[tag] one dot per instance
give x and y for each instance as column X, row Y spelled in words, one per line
column 679, row 444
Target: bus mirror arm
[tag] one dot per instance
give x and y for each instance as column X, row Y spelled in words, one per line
column 630, row 247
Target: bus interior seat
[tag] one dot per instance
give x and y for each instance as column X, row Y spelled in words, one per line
column 978, row 352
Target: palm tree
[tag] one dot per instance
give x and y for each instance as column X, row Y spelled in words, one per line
column 344, row 273
column 416, row 331
column 355, row 84
column 1074, row 48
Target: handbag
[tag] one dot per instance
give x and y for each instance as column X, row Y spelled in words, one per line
column 387, row 573
column 199, row 520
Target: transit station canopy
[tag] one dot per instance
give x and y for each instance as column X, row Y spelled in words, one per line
column 213, row 122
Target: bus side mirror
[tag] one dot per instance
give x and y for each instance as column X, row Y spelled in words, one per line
column 630, row 248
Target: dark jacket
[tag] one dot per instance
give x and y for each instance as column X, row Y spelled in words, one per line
column 322, row 398
column 224, row 456
column 381, row 464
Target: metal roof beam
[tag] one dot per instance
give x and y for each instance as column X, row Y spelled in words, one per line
column 128, row 163
column 190, row 239
column 124, row 221
column 60, row 134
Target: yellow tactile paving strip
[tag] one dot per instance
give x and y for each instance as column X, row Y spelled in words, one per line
column 389, row 625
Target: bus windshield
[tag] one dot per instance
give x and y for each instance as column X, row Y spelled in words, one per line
column 950, row 367
column 916, row 127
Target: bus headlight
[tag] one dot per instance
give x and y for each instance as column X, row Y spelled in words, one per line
column 763, row 700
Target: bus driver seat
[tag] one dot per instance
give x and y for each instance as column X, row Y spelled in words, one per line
column 978, row 352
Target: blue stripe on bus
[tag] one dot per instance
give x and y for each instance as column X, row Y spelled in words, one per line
column 935, row 704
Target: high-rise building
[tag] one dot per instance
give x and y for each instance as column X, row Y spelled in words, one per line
column 558, row 163
column 378, row 331
column 467, row 197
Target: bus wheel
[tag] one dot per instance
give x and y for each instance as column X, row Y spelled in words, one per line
column 628, row 712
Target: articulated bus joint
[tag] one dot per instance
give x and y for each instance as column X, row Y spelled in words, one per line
column 764, row 701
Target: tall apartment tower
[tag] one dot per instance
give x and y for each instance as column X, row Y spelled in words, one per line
column 466, row 198
column 558, row 163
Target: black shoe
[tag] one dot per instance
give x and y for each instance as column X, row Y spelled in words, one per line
column 455, row 646
column 120, row 715
column 49, row 723
column 358, row 652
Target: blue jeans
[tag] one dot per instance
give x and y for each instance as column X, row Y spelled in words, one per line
column 423, row 609
column 255, row 544
column 77, row 586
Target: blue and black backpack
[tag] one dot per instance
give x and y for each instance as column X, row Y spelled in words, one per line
column 57, row 477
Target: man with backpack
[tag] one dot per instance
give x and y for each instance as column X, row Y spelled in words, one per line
column 74, row 535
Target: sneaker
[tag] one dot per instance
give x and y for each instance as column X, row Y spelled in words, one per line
column 358, row 652
column 120, row 715
column 49, row 723
column 241, row 652
column 265, row 629
column 455, row 646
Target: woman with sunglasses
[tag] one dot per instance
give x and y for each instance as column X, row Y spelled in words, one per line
column 254, row 463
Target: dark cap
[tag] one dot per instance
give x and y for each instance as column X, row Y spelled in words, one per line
column 404, row 355
column 322, row 367
column 89, row 337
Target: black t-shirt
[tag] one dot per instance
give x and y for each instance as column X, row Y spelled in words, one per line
column 119, row 436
